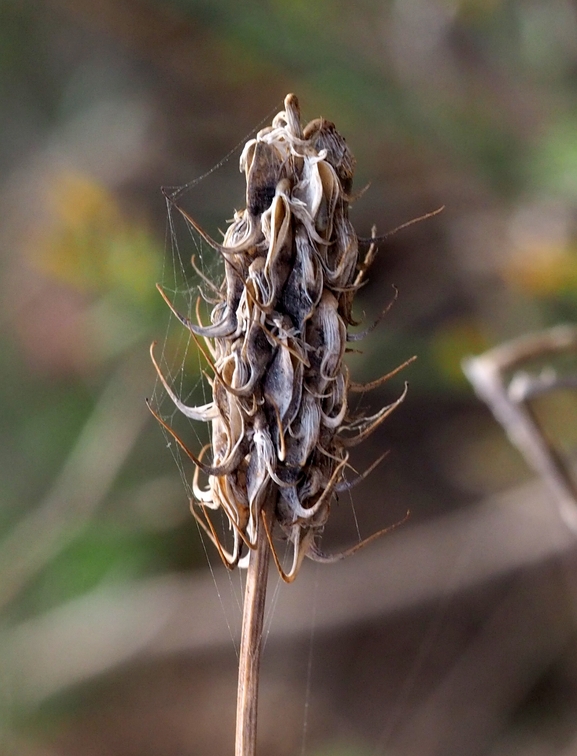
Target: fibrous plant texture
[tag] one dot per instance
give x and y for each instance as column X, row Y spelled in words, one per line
column 281, row 422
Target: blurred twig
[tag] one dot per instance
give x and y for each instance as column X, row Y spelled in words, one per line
column 85, row 479
column 509, row 402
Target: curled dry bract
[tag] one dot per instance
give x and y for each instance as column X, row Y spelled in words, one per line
column 281, row 425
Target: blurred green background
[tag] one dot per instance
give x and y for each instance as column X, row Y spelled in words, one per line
column 466, row 104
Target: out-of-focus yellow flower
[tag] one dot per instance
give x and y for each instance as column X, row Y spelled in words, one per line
column 472, row 9
column 543, row 269
column 89, row 244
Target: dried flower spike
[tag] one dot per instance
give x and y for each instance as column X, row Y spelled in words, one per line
column 281, row 424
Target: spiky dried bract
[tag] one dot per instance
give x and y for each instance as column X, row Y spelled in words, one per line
column 281, row 426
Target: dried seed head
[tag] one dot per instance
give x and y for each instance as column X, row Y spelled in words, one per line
column 281, row 426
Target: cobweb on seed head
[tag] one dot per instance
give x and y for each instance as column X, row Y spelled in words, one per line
column 181, row 361
column 178, row 356
column 185, row 369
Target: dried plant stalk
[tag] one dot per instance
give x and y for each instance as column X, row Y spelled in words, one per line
column 251, row 647
column 281, row 424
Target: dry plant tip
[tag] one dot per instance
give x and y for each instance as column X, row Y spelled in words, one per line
column 281, row 422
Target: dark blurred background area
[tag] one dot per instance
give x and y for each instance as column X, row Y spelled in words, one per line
column 455, row 635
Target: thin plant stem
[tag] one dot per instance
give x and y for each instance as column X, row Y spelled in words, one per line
column 251, row 645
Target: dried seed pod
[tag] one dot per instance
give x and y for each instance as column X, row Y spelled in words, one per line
column 280, row 419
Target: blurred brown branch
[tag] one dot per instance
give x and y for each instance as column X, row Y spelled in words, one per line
column 508, row 400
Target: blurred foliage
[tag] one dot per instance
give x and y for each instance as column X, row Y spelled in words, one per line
column 464, row 103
